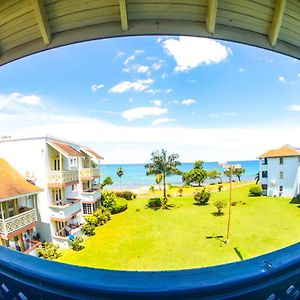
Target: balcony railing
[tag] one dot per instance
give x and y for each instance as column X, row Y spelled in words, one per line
column 17, row 222
column 60, row 177
column 65, row 211
column 89, row 173
column 90, row 195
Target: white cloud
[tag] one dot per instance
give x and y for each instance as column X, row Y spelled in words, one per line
column 153, row 91
column 281, row 79
column 159, row 40
column 141, row 112
column 191, row 52
column 142, row 69
column 188, row 101
column 241, row 70
column 120, row 54
column 130, row 100
column 298, row 75
column 168, row 91
column 162, row 120
column 139, row 51
column 221, row 115
column 139, row 86
column 14, row 99
column 96, row 87
column 294, row 107
column 128, row 59
column 156, row 102
column 164, row 75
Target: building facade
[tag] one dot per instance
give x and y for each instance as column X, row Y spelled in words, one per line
column 279, row 172
column 69, row 175
column 18, row 210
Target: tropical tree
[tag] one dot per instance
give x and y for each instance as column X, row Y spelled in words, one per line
column 257, row 178
column 214, row 174
column 158, row 179
column 106, row 181
column 195, row 176
column 238, row 172
column 228, row 173
column 163, row 164
column 120, row 173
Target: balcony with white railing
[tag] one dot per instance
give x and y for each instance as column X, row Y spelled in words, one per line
column 90, row 195
column 62, row 177
column 18, row 221
column 65, row 212
column 89, row 173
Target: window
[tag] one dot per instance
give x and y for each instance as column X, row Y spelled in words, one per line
column 264, row 186
column 74, row 187
column 264, row 161
column 280, row 188
column 281, row 175
column 264, row 174
column 281, row 160
column 57, row 197
column 87, row 208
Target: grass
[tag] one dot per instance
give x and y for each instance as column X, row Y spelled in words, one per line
column 186, row 236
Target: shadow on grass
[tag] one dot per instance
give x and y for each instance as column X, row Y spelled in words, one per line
column 198, row 204
column 155, row 208
column 217, row 213
column 295, row 201
column 238, row 253
column 220, row 238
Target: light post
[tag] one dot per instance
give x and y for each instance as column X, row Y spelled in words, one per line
column 229, row 167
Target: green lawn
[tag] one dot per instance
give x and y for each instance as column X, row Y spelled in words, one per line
column 144, row 239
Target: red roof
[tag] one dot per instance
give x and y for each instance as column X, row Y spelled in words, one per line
column 13, row 184
column 91, row 153
column 65, row 149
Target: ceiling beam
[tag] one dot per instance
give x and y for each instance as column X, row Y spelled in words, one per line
column 212, row 6
column 41, row 16
column 123, row 14
column 277, row 21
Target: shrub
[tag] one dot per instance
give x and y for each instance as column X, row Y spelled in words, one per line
column 220, row 187
column 91, row 220
column 220, row 205
column 151, row 188
column 120, row 205
column 100, row 217
column 255, row 190
column 154, row 203
column 128, row 195
column 202, row 197
column 108, row 199
column 49, row 251
column 88, row 229
column 76, row 245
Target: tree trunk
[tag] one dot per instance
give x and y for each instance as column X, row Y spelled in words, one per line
column 165, row 192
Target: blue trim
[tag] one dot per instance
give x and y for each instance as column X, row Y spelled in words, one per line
column 275, row 275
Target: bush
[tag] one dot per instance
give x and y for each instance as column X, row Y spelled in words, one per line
column 128, row 195
column 119, row 206
column 154, row 203
column 220, row 187
column 49, row 251
column 91, row 220
column 202, row 197
column 88, row 229
column 255, row 190
column 76, row 245
column 108, row 199
column 219, row 206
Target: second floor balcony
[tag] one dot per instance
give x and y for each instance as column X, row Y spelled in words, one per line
column 21, row 221
column 89, row 173
column 91, row 195
column 65, row 212
column 62, row 178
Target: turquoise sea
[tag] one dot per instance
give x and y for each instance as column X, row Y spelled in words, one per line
column 135, row 174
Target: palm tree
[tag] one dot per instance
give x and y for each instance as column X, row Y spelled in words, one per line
column 165, row 165
column 257, row 178
column 158, row 179
column 120, row 173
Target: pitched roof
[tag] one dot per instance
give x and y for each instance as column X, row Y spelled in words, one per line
column 91, row 153
column 12, row 183
column 285, row 150
column 65, row 149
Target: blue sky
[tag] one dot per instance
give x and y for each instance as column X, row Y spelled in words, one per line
column 126, row 97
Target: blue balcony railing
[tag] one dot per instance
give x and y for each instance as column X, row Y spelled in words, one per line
column 272, row 276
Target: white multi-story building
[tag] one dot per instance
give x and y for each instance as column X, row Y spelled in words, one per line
column 67, row 173
column 279, row 172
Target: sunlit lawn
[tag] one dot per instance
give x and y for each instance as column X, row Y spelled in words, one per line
column 144, row 239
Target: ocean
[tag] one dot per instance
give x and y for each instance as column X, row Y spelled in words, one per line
column 135, row 174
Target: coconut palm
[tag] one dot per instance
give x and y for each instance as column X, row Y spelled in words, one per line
column 165, row 165
column 257, row 178
column 120, row 173
column 158, row 179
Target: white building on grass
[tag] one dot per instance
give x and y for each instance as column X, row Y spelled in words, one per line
column 67, row 173
column 279, row 172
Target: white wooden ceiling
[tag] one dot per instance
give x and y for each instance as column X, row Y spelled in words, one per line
column 30, row 26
